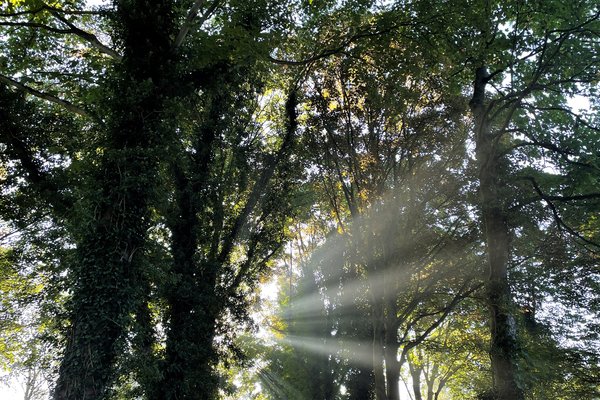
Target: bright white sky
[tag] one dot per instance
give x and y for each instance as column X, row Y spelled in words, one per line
column 12, row 391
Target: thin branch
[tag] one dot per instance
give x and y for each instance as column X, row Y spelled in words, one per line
column 563, row 153
column 101, row 12
column 90, row 38
column 444, row 313
column 45, row 96
column 39, row 178
column 50, row 8
column 258, row 190
column 36, row 25
column 335, row 50
column 576, row 116
column 14, row 137
column 73, row 30
column 543, row 196
column 20, row 13
column 561, row 223
column 246, row 270
column 187, row 24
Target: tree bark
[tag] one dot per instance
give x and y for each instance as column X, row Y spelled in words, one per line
column 192, row 311
column 193, row 307
column 378, row 351
column 415, row 374
column 392, row 364
column 504, row 345
column 108, row 266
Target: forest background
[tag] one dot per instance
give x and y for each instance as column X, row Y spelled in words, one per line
column 417, row 182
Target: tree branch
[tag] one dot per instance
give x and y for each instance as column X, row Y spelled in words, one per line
column 338, row 49
column 561, row 223
column 45, row 96
column 543, row 196
column 189, row 19
column 90, row 38
column 73, row 30
column 259, row 187
column 49, row 8
column 13, row 134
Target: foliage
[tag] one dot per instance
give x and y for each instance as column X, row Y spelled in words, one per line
column 157, row 162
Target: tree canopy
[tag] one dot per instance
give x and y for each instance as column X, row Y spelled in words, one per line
column 416, row 184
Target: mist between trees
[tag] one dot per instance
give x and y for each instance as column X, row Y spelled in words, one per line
column 414, row 180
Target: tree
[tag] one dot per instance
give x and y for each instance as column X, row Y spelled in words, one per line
column 453, row 361
column 490, row 146
column 152, row 159
column 159, row 92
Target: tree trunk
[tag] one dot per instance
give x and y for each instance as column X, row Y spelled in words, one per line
column 360, row 387
column 503, row 351
column 192, row 311
column 108, row 266
column 392, row 365
column 415, row 374
column 390, row 263
column 378, row 352
column 193, row 306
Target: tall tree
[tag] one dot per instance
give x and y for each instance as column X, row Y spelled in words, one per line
column 532, row 63
column 163, row 106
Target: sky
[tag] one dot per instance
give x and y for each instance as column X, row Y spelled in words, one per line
column 11, row 391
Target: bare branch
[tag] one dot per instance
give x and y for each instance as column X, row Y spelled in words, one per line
column 90, row 38
column 45, row 96
column 557, row 218
column 72, row 30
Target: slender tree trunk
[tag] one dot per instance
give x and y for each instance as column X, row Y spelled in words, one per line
column 415, row 374
column 391, row 262
column 146, row 366
column 361, row 386
column 392, row 365
column 497, row 236
column 373, row 262
column 441, row 385
column 392, row 371
column 378, row 351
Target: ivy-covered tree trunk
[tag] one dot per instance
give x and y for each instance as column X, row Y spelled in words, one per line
column 504, row 344
column 192, row 304
column 108, row 268
column 187, row 373
column 193, row 307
